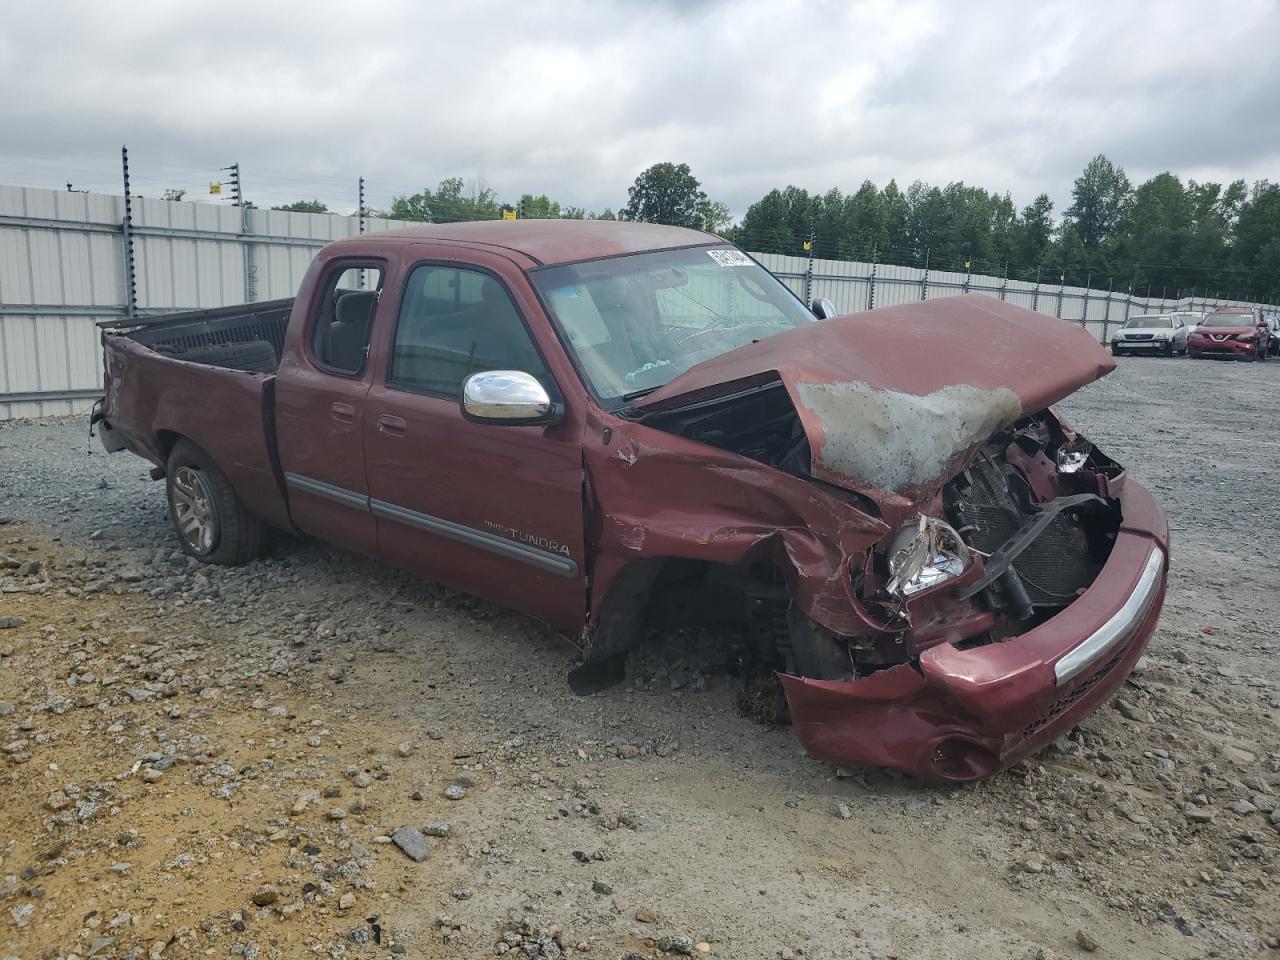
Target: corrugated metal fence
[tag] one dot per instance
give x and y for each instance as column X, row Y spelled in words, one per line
column 62, row 270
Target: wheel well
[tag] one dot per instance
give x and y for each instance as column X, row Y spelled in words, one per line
column 166, row 440
column 672, row 591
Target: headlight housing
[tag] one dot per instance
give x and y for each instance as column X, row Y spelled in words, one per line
column 924, row 554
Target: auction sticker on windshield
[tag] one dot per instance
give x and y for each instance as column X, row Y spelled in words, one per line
column 730, row 258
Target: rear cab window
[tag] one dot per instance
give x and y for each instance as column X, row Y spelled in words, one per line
column 343, row 318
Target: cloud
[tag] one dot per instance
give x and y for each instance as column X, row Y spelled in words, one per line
column 573, row 99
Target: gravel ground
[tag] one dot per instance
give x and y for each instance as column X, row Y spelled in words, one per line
column 261, row 762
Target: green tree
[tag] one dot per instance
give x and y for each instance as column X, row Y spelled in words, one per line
column 450, row 201
column 1099, row 199
column 304, row 206
column 540, row 207
column 666, row 193
column 173, row 193
column 1035, row 233
column 1157, row 232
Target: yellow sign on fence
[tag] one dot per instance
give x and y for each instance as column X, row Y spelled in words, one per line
column 215, row 187
column 508, row 214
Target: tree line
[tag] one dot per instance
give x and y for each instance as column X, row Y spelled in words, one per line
column 1167, row 236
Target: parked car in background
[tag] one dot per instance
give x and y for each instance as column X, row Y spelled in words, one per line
column 597, row 422
column 1231, row 333
column 1273, row 332
column 1162, row 333
column 1190, row 319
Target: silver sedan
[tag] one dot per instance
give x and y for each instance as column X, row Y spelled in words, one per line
column 1163, row 334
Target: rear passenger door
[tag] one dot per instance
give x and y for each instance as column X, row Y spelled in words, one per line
column 492, row 510
column 320, row 401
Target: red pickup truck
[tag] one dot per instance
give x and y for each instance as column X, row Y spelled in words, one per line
column 587, row 420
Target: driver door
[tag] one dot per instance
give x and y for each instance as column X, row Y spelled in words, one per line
column 494, row 510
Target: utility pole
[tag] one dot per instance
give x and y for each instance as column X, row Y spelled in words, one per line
column 130, row 275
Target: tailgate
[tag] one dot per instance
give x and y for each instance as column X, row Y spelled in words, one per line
column 151, row 400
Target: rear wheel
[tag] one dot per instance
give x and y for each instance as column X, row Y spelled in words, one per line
column 211, row 522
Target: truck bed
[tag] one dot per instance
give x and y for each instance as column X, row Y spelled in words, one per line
column 229, row 337
column 207, row 376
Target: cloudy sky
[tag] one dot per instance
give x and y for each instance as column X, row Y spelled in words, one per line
column 574, row 99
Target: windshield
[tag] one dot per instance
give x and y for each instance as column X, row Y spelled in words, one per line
column 1228, row 320
column 633, row 323
column 1150, row 323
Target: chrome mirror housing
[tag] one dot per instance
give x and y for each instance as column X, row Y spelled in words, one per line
column 823, row 308
column 510, row 397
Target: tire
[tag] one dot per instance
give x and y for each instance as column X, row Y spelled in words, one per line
column 253, row 356
column 218, row 528
column 1117, row 352
column 815, row 651
column 1168, row 349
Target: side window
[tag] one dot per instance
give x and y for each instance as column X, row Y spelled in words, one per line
column 344, row 317
column 454, row 323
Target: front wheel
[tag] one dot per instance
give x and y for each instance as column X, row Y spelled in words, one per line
column 1168, row 349
column 211, row 522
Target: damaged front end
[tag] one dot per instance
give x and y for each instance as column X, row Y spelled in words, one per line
column 966, row 576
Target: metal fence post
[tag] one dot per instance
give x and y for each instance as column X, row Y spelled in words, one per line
column 871, row 293
column 1128, row 303
column 126, row 226
column 808, row 271
column 924, row 280
column 1035, row 299
column 968, row 267
column 1084, row 308
column 1062, row 287
column 1004, row 287
column 360, row 195
column 1106, row 316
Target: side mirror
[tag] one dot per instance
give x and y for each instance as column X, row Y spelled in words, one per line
column 823, row 308
column 508, row 397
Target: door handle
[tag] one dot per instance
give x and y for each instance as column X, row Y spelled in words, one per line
column 392, row 426
column 343, row 412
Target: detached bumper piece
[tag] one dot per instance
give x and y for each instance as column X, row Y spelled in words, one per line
column 966, row 714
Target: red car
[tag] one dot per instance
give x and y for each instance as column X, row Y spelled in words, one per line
column 589, row 421
column 1231, row 333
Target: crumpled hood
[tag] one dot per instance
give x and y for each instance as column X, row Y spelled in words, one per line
column 894, row 401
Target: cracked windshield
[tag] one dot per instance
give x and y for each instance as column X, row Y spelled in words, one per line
column 634, row 323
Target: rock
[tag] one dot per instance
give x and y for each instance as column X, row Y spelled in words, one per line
column 679, row 944
column 1086, row 942
column 151, row 774
column 405, row 748
column 1199, row 814
column 1128, row 710
column 702, row 947
column 454, row 792
column 265, row 896
column 336, row 813
column 602, row 888
column 412, row 842
column 645, row 915
column 346, row 901
column 11, row 623
column 1030, row 824
column 21, row 914
column 1242, row 807
column 436, row 828
column 841, row 811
